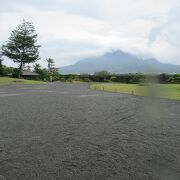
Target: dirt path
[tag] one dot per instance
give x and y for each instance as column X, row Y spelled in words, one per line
column 66, row 131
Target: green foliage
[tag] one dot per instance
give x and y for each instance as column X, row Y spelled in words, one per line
column 21, row 46
column 51, row 64
column 10, row 71
column 163, row 78
column 62, row 79
column 70, row 78
column 84, row 77
column 43, row 73
column 114, row 79
column 37, row 68
column 15, row 73
column 1, row 70
column 7, row 70
column 137, row 78
column 47, row 74
column 175, row 79
column 56, row 76
column 101, row 76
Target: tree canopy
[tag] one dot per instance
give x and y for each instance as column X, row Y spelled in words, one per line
column 21, row 46
column 50, row 64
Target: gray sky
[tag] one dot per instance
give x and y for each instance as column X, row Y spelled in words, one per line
column 69, row 30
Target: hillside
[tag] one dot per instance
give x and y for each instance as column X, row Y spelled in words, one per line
column 119, row 62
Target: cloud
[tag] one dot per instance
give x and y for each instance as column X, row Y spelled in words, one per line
column 164, row 38
column 69, row 30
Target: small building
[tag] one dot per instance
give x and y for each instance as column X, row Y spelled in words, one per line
column 29, row 75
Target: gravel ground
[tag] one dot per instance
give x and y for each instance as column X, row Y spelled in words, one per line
column 69, row 132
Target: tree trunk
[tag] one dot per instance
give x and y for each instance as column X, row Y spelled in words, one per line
column 20, row 69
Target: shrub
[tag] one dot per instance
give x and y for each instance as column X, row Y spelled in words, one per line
column 174, row 79
column 114, row 79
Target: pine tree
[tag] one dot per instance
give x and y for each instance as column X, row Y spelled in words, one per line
column 21, row 46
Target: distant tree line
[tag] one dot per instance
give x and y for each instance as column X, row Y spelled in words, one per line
column 131, row 78
column 53, row 74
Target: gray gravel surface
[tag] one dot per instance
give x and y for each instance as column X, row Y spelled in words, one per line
column 69, row 132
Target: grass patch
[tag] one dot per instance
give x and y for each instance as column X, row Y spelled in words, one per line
column 169, row 91
column 6, row 80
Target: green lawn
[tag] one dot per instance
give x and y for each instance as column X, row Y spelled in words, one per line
column 169, row 91
column 6, row 80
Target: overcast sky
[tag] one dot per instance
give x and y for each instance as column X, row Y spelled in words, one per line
column 69, row 30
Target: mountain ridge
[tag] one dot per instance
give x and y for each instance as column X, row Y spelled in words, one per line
column 121, row 63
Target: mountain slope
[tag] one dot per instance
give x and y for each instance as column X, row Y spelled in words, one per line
column 119, row 62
